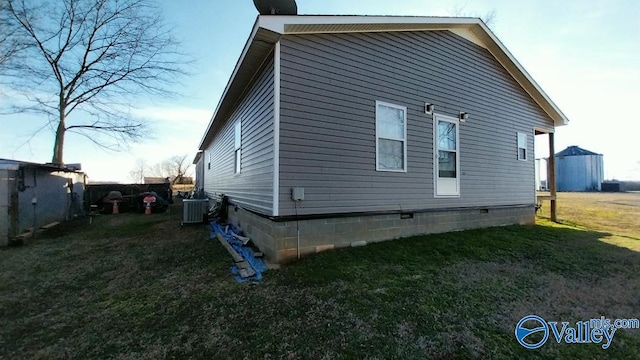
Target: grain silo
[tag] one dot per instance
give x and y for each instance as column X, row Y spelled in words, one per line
column 578, row 170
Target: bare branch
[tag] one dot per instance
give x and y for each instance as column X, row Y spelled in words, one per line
column 139, row 171
column 12, row 41
column 488, row 18
column 175, row 168
column 89, row 56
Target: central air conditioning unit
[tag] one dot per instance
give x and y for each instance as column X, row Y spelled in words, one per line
column 194, row 211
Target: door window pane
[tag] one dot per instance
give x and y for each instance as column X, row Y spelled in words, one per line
column 446, row 164
column 446, row 135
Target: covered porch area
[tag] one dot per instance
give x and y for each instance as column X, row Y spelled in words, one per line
column 547, row 193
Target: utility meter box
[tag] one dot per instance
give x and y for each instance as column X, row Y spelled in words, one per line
column 297, row 193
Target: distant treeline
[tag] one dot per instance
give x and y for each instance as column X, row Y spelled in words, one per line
column 630, row 185
column 616, row 185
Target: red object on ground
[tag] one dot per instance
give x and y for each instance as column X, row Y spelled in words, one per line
column 115, row 210
column 148, row 200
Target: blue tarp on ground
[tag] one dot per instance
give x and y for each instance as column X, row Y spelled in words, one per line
column 257, row 264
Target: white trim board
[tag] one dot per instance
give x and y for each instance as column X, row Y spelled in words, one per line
column 450, row 119
column 276, row 129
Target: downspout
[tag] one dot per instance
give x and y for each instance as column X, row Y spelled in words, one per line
column 295, row 205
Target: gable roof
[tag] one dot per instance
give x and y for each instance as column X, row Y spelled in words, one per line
column 268, row 29
column 575, row 151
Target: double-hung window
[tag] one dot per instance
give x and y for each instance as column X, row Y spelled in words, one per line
column 446, row 155
column 238, row 147
column 391, row 137
column 522, row 146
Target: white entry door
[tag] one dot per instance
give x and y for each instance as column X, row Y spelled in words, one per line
column 446, row 155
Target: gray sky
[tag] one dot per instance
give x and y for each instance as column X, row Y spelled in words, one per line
column 584, row 54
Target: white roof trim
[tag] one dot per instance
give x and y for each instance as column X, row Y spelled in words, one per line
column 346, row 24
column 233, row 76
column 500, row 52
column 469, row 35
column 278, row 23
column 472, row 29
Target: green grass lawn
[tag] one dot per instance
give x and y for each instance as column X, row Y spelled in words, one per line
column 615, row 213
column 140, row 287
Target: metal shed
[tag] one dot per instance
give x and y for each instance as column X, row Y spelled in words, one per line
column 578, row 169
column 32, row 195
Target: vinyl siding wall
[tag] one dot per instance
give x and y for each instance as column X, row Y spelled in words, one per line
column 329, row 86
column 252, row 188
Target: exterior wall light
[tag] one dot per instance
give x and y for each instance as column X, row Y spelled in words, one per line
column 429, row 108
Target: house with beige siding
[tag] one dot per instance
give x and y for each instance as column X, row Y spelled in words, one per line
column 345, row 130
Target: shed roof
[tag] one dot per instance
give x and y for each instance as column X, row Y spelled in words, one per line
column 197, row 157
column 10, row 164
column 268, row 29
column 575, row 151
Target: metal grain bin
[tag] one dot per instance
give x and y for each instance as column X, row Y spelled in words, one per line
column 579, row 170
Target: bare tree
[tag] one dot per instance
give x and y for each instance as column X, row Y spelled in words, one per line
column 489, row 17
column 90, row 58
column 159, row 170
column 175, row 168
column 139, row 171
column 11, row 41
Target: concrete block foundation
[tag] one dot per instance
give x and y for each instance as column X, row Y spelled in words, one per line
column 278, row 240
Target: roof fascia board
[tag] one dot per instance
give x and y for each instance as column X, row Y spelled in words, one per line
column 278, row 23
column 472, row 29
column 509, row 62
column 469, row 35
column 231, row 79
column 49, row 166
column 197, row 157
column 7, row 166
column 300, row 25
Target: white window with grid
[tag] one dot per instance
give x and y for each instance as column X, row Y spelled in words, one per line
column 391, row 137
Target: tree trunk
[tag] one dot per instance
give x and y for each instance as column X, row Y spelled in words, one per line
column 58, row 145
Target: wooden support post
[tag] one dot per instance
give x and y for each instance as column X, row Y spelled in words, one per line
column 552, row 176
